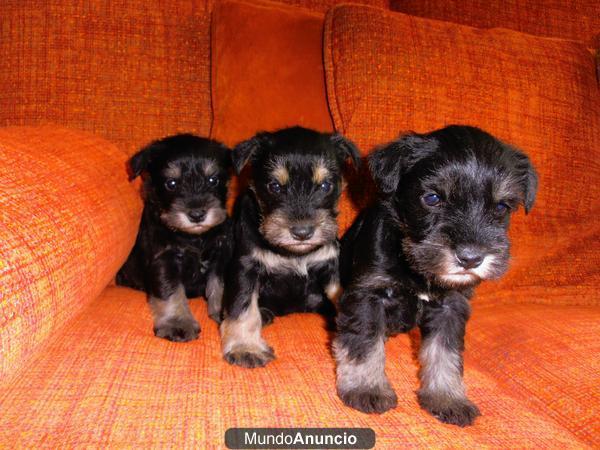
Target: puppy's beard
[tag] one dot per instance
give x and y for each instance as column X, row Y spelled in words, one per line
column 178, row 220
column 275, row 228
column 438, row 262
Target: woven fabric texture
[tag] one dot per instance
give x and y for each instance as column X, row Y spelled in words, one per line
column 282, row 47
column 68, row 218
column 110, row 382
column 578, row 20
column 325, row 5
column 388, row 72
column 545, row 357
column 128, row 71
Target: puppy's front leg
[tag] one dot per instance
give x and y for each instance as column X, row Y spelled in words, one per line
column 332, row 287
column 214, row 296
column 215, row 280
column 241, row 340
column 173, row 319
column 360, row 353
column 442, row 391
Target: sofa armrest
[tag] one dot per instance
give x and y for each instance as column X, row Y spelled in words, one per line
column 68, row 218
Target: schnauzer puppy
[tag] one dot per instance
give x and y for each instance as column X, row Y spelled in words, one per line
column 286, row 248
column 184, row 240
column 437, row 229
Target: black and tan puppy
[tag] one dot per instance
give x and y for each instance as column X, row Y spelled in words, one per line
column 184, row 240
column 437, row 230
column 286, row 247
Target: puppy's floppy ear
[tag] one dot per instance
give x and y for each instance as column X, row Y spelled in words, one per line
column 139, row 162
column 225, row 155
column 389, row 163
column 346, row 148
column 246, row 150
column 528, row 179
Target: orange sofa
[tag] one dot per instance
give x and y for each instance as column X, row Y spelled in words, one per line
column 84, row 84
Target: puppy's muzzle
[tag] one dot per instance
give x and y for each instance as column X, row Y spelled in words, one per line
column 196, row 215
column 302, row 232
column 469, row 257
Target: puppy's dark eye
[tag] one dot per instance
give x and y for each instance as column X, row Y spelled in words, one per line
column 171, row 184
column 432, row 199
column 502, row 208
column 213, row 181
column 274, row 187
column 325, row 186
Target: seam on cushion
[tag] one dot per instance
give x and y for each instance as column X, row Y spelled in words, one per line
column 330, row 86
column 213, row 66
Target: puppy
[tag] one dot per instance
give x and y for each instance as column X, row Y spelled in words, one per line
column 286, row 247
column 438, row 228
column 184, row 240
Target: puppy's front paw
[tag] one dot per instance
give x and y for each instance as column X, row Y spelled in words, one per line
column 455, row 411
column 370, row 400
column 178, row 330
column 250, row 357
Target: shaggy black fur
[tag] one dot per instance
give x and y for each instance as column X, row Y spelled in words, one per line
column 438, row 228
column 286, row 255
column 185, row 237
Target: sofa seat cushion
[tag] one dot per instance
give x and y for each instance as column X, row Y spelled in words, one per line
column 388, row 72
column 107, row 381
column 547, row 357
column 68, row 218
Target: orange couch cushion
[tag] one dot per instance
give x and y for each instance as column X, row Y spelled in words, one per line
column 544, row 356
column 325, row 5
column 68, row 218
column 107, row 381
column 388, row 72
column 267, row 69
column 130, row 72
column 578, row 20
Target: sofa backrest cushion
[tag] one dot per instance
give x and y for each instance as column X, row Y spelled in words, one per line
column 267, row 69
column 388, row 73
column 129, row 71
column 577, row 20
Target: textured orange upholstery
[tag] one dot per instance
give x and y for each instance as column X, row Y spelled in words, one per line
column 544, row 356
column 578, row 20
column 267, row 66
column 388, row 72
column 79, row 365
column 106, row 381
column 68, row 218
column 325, row 5
column 129, row 71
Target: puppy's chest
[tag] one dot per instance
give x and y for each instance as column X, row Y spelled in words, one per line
column 304, row 266
column 290, row 284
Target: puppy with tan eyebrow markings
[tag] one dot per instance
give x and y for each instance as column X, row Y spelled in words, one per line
column 438, row 228
column 184, row 241
column 286, row 247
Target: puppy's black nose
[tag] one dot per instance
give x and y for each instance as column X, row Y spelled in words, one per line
column 469, row 257
column 197, row 215
column 302, row 232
